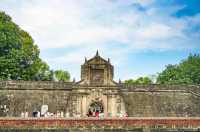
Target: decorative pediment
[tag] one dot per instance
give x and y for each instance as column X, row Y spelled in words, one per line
column 97, row 71
column 97, row 60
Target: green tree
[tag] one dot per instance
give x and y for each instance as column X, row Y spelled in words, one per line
column 140, row 80
column 186, row 72
column 19, row 56
column 62, row 76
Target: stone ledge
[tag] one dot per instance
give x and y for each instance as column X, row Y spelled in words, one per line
column 112, row 122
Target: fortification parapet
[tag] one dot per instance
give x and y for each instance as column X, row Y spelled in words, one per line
column 159, row 87
column 35, row 85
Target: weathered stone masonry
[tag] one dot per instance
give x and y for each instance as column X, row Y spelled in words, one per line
column 97, row 85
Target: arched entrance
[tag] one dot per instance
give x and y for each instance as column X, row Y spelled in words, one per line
column 95, row 108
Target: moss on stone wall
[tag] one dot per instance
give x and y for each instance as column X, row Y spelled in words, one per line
column 161, row 104
column 140, row 100
column 18, row 101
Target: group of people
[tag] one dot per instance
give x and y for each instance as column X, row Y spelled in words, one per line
column 101, row 114
column 38, row 114
column 96, row 113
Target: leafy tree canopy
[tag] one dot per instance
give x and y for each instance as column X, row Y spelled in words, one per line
column 62, row 76
column 186, row 72
column 19, row 56
column 140, row 80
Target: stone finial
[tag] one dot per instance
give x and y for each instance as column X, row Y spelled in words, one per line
column 108, row 60
column 97, row 53
column 74, row 80
column 120, row 81
column 85, row 60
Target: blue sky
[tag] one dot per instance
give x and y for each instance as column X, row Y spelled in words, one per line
column 139, row 36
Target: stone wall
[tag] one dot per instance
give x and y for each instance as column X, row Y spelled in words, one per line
column 139, row 100
column 105, row 125
column 18, row 101
column 161, row 100
column 21, row 97
column 35, row 85
column 99, row 130
column 161, row 104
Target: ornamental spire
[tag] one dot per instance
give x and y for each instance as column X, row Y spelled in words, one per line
column 74, row 80
column 97, row 53
column 120, row 81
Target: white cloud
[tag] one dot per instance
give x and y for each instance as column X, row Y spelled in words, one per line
column 145, row 2
column 88, row 25
column 75, row 23
column 158, row 31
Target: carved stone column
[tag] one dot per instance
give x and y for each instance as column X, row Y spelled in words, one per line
column 113, row 105
column 84, row 106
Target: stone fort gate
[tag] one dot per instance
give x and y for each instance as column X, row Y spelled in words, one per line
column 97, row 91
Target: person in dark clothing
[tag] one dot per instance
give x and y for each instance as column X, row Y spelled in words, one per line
column 35, row 114
column 89, row 113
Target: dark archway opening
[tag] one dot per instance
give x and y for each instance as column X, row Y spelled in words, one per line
column 95, row 109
